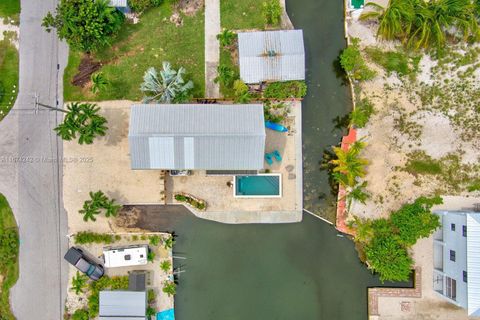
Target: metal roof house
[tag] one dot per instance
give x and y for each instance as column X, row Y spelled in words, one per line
column 122, row 305
column 197, row 137
column 456, row 259
column 120, row 5
column 271, row 56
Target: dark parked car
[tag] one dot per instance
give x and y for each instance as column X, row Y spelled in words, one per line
column 77, row 258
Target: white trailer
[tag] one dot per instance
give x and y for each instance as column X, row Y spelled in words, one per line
column 126, row 256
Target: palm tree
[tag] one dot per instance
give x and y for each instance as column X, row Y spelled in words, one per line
column 111, row 208
column 82, row 119
column 348, row 163
column 168, row 242
column 357, row 193
column 169, row 287
column 78, row 283
column 226, row 75
column 99, row 82
column 226, row 37
column 165, row 86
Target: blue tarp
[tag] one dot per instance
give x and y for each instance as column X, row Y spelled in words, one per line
column 166, row 315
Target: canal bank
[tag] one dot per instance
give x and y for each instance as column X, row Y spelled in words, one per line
column 328, row 97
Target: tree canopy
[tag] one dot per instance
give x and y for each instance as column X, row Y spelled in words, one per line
column 86, row 25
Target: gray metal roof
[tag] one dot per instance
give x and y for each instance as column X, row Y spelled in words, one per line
column 271, row 56
column 197, row 136
column 118, row 3
column 122, row 304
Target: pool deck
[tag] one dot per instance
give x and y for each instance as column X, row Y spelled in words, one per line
column 222, row 206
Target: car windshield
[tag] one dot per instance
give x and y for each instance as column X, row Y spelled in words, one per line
column 90, row 270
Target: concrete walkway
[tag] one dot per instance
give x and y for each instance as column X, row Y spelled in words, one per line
column 212, row 47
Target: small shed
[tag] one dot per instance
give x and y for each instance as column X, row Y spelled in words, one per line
column 271, row 56
column 122, row 305
column 120, row 5
column 197, row 137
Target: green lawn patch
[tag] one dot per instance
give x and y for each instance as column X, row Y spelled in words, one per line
column 8, row 256
column 10, row 9
column 9, row 76
column 394, row 61
column 137, row 47
column 245, row 14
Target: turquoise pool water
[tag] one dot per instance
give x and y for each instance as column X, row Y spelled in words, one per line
column 261, row 185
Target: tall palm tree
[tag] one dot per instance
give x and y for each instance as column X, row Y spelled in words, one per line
column 111, row 208
column 165, row 86
column 82, row 119
column 349, row 164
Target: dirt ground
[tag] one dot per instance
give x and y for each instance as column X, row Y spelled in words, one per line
column 105, row 166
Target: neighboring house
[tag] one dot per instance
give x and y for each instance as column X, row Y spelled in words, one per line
column 197, row 137
column 122, row 305
column 271, row 56
column 456, row 259
column 120, row 5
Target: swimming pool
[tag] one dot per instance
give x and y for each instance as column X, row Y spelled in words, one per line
column 258, row 186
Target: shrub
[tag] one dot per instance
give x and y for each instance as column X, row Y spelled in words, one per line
column 2, row 91
column 353, row 63
column 168, row 242
column 154, row 240
column 423, row 166
column 274, row 117
column 195, row 203
column 79, row 281
column 80, row 314
column 150, row 312
column 86, row 237
column 85, row 25
column 150, row 256
column 226, row 75
column 392, row 61
column 271, row 11
column 165, row 265
column 99, row 202
column 361, row 114
column 151, row 296
column 142, row 5
column 285, row 90
column 9, row 244
column 170, row 288
column 474, row 186
column 180, row 197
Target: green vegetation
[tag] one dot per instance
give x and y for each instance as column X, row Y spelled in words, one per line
column 9, row 247
column 453, row 175
column 227, row 61
column 193, row 202
column 82, row 119
column 166, row 86
column 354, row 64
column 150, row 256
column 165, row 265
column 134, row 50
column 97, row 204
column 226, row 38
column 154, row 240
column 384, row 243
column 236, row 15
column 275, row 112
column 105, row 283
column 170, row 288
column 426, row 24
column 348, row 165
column 86, row 237
column 151, row 296
column 85, row 25
column 79, row 282
column 285, row 90
column 362, row 113
column 80, row 314
column 99, row 82
column 150, row 312
column 474, row 186
column 9, row 79
column 272, row 12
column 226, row 76
column 10, row 9
column 168, row 242
column 394, row 61
column 142, row 5
column 241, row 92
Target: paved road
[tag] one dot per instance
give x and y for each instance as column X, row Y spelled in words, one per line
column 30, row 176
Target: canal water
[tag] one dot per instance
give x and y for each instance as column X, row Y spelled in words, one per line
column 295, row 271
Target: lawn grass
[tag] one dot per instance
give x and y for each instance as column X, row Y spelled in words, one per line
column 146, row 44
column 10, row 9
column 8, row 76
column 245, row 14
column 8, row 269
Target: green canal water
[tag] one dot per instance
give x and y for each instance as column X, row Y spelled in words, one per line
column 282, row 272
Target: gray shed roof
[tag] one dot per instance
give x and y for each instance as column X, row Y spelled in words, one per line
column 271, row 56
column 189, row 136
column 122, row 304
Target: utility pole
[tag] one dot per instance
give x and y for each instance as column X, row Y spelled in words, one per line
column 38, row 104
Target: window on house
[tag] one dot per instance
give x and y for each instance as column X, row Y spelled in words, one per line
column 452, row 226
column 452, row 255
column 464, row 276
column 464, row 231
column 451, row 288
